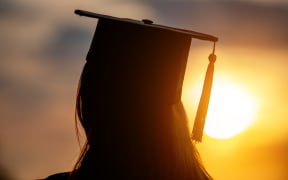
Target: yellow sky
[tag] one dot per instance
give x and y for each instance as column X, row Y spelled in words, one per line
column 260, row 151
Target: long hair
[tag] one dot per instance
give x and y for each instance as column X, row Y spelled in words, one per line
column 128, row 139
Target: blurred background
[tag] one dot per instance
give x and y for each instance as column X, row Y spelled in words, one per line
column 43, row 46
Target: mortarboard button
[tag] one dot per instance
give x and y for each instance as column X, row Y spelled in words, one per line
column 147, row 21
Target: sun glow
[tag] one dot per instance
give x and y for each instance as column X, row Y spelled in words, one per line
column 231, row 110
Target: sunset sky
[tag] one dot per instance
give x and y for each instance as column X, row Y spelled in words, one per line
column 43, row 46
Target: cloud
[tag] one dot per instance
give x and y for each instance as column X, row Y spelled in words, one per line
column 21, row 97
column 235, row 22
column 7, row 8
column 16, row 9
column 66, row 43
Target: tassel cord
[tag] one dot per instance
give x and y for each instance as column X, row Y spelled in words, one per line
column 202, row 110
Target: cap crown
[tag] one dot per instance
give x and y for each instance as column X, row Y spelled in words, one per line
column 139, row 62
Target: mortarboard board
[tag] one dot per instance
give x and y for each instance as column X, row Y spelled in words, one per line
column 142, row 62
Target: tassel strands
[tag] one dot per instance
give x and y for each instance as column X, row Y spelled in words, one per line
column 200, row 118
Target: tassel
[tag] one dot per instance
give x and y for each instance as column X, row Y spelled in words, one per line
column 199, row 122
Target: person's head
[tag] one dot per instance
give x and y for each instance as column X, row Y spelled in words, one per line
column 129, row 104
column 133, row 140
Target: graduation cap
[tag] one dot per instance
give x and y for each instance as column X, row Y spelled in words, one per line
column 145, row 62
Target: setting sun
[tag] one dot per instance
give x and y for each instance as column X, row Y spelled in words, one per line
column 231, row 110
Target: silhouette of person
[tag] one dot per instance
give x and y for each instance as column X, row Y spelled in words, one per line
column 129, row 105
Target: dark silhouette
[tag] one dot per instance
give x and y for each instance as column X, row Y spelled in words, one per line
column 4, row 174
column 129, row 104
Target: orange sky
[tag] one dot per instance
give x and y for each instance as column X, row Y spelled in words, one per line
column 43, row 47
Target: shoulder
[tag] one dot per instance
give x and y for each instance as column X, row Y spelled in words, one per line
column 59, row 176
